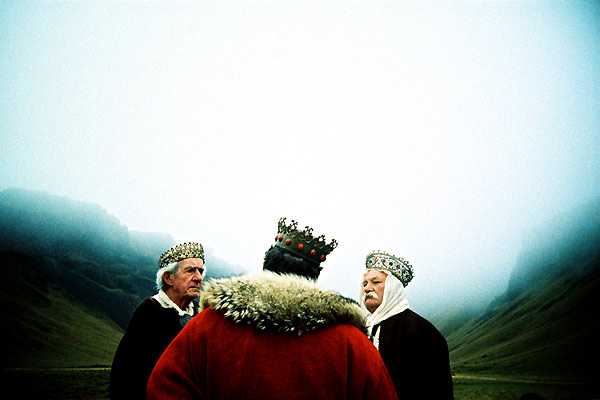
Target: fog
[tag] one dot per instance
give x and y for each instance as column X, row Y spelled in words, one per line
column 440, row 132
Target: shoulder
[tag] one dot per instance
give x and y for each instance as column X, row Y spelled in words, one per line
column 409, row 316
column 411, row 322
column 148, row 306
column 150, row 310
column 342, row 339
column 208, row 320
column 296, row 305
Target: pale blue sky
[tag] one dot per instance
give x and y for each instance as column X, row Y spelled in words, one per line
column 438, row 131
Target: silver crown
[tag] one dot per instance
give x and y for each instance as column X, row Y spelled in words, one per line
column 397, row 266
column 181, row 252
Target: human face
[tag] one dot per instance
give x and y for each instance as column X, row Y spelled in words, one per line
column 184, row 285
column 373, row 283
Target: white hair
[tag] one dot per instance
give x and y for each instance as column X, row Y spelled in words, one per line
column 170, row 268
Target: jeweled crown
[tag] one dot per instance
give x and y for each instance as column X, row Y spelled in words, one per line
column 181, row 252
column 303, row 242
column 397, row 266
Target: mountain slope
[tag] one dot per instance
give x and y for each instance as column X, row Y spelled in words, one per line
column 73, row 277
column 44, row 325
column 546, row 323
column 539, row 333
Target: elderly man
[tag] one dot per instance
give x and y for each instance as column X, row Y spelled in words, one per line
column 157, row 320
column 413, row 350
column 274, row 335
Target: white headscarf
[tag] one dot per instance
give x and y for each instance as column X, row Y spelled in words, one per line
column 394, row 302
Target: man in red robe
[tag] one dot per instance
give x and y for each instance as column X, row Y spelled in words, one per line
column 274, row 335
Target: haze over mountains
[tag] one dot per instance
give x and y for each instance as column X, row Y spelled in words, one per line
column 74, row 274
column 74, row 277
column 546, row 323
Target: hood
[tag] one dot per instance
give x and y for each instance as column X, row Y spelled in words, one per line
column 282, row 303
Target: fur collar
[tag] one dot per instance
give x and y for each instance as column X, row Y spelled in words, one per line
column 283, row 303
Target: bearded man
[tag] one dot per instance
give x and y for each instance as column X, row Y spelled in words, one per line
column 274, row 335
column 413, row 350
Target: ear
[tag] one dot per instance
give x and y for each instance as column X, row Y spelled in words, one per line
column 167, row 278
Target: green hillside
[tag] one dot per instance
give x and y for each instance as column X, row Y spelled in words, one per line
column 74, row 276
column 547, row 333
column 45, row 326
column 548, row 326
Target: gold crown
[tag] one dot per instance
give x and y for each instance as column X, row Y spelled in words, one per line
column 303, row 242
column 397, row 266
column 181, row 252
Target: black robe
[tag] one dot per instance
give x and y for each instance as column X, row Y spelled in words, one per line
column 416, row 356
column 150, row 331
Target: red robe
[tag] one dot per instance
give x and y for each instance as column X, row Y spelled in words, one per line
column 257, row 342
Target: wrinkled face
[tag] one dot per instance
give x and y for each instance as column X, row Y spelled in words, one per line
column 373, row 286
column 186, row 282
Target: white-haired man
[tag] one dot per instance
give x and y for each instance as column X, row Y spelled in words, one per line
column 414, row 352
column 157, row 320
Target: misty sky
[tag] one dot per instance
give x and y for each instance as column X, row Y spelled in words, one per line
column 438, row 131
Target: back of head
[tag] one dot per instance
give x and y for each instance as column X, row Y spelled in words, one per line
column 297, row 251
column 284, row 262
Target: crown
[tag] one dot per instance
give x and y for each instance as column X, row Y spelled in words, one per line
column 181, row 252
column 303, row 243
column 397, row 266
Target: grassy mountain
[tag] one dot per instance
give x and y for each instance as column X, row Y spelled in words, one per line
column 546, row 324
column 44, row 322
column 74, row 276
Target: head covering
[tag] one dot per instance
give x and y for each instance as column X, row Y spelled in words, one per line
column 181, row 252
column 390, row 264
column 303, row 243
column 398, row 273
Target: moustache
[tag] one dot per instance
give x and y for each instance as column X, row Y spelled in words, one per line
column 371, row 295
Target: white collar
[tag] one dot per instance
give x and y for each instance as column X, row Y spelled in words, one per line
column 164, row 300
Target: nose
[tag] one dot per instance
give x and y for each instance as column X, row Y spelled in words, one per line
column 198, row 274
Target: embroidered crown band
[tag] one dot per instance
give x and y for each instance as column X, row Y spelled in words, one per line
column 397, row 266
column 181, row 252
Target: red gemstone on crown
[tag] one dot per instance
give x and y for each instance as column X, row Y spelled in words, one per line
column 280, row 238
column 300, row 247
column 322, row 258
column 313, row 252
column 288, row 241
